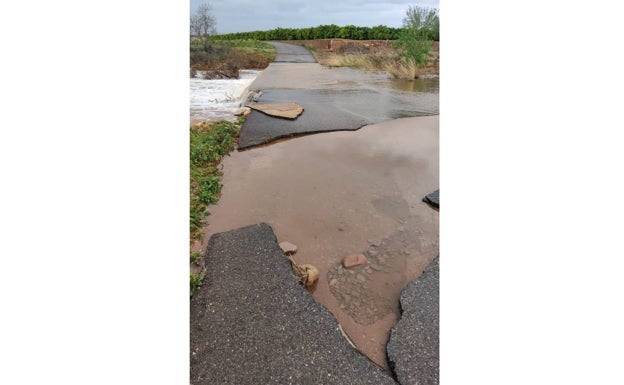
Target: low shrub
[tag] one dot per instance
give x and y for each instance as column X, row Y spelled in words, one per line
column 226, row 59
column 381, row 58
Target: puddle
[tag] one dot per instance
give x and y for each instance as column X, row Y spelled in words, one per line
column 341, row 193
column 428, row 85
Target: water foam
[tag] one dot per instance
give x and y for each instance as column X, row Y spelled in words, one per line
column 218, row 99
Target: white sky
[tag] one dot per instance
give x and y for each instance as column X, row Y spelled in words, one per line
column 252, row 15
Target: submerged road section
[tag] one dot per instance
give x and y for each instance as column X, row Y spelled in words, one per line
column 334, row 99
column 333, row 195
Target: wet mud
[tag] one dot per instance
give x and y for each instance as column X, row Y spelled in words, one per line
column 368, row 293
column 341, row 193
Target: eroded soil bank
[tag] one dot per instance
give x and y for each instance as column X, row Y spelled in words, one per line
column 341, row 193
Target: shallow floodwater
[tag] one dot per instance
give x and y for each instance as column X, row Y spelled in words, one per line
column 218, row 99
column 341, row 193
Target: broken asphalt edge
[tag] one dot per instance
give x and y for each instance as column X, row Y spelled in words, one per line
column 251, row 309
column 412, row 350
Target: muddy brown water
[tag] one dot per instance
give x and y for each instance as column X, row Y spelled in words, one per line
column 340, row 193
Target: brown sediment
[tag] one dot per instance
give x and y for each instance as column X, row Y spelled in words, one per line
column 342, row 193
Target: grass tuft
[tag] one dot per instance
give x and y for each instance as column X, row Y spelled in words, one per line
column 209, row 143
column 377, row 59
column 402, row 69
column 196, row 282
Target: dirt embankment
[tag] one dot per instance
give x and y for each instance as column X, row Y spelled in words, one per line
column 335, row 44
column 324, row 47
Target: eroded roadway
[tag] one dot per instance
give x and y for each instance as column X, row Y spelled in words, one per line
column 334, row 99
column 251, row 321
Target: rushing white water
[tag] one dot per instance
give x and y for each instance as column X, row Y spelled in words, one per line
column 218, row 99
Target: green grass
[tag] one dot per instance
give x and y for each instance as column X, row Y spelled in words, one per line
column 238, row 54
column 253, row 47
column 196, row 282
column 209, row 143
column 195, row 257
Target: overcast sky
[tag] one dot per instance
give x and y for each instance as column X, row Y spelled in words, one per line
column 252, row 15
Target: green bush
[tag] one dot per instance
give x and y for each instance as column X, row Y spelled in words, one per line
column 413, row 45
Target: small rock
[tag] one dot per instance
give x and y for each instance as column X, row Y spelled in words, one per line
column 354, row 260
column 372, row 253
column 361, row 278
column 312, row 274
column 333, row 282
column 288, row 247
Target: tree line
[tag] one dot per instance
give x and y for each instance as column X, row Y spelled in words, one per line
column 332, row 31
column 421, row 27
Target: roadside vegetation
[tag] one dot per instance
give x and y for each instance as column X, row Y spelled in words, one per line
column 405, row 53
column 209, row 143
column 413, row 53
column 222, row 59
column 425, row 20
column 379, row 57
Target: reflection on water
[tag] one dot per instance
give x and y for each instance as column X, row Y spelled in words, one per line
column 431, row 85
column 342, row 193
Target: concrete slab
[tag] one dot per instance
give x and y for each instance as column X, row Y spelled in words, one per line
column 252, row 322
column 287, row 110
column 413, row 349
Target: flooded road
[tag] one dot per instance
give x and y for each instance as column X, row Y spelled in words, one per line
column 334, row 99
column 342, row 193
